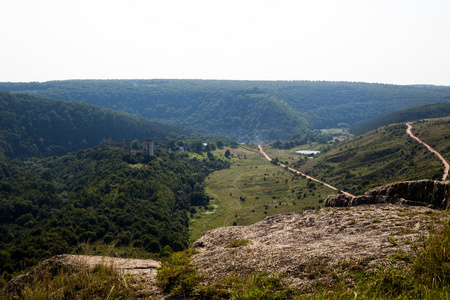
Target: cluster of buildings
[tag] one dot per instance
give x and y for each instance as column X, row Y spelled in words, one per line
column 148, row 147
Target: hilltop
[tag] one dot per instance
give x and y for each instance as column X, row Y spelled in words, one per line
column 242, row 110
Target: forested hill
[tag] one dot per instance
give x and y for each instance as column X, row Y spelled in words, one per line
column 243, row 110
column 53, row 205
column 35, row 127
column 434, row 110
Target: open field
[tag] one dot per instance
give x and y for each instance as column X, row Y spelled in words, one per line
column 340, row 134
column 252, row 189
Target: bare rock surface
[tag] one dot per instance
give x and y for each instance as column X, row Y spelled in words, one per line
column 296, row 243
column 426, row 192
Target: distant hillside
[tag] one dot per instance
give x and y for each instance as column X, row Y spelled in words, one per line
column 383, row 156
column 242, row 110
column 434, row 110
column 35, row 127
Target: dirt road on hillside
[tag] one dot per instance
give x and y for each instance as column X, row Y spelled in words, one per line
column 307, row 176
column 446, row 165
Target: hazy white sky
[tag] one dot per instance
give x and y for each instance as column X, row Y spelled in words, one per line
column 386, row 41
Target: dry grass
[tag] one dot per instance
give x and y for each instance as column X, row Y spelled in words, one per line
column 100, row 282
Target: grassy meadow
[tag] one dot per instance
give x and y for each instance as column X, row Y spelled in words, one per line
column 251, row 189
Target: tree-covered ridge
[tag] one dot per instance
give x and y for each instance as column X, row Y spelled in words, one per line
column 434, row 110
column 35, row 127
column 51, row 205
column 243, row 110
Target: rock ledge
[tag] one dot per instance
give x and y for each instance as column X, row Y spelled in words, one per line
column 430, row 193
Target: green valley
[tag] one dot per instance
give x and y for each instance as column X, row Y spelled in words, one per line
column 66, row 187
column 252, row 189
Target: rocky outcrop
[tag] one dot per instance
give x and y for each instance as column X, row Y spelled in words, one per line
column 309, row 246
column 429, row 193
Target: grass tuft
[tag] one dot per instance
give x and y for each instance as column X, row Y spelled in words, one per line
column 239, row 243
column 433, row 261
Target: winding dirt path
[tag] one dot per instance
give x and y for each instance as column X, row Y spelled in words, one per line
column 298, row 172
column 446, row 165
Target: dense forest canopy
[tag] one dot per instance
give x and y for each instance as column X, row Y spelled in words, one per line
column 35, row 127
column 242, row 110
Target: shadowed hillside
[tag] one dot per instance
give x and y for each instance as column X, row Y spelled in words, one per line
column 35, row 127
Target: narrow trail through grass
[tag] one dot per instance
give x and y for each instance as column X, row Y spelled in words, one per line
column 252, row 189
column 446, row 165
column 300, row 173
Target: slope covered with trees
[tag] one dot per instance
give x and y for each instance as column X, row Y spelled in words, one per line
column 50, row 206
column 242, row 110
column 434, row 110
column 36, row 127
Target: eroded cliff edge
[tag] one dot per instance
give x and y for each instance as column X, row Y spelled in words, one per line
column 430, row 193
